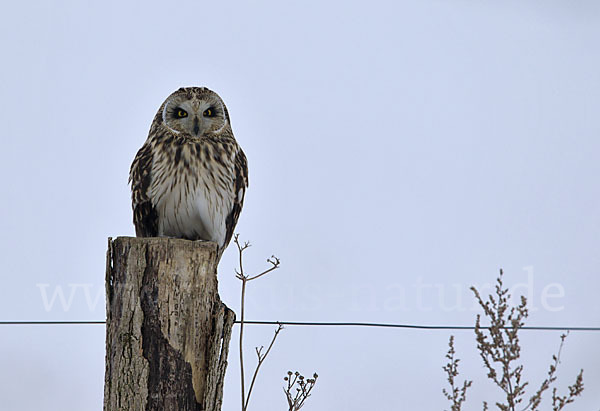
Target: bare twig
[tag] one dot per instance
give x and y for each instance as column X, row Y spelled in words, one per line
column 275, row 263
column 261, row 358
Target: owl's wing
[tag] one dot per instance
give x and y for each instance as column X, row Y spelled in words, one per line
column 239, row 184
column 145, row 217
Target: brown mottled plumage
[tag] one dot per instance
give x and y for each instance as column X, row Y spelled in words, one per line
column 189, row 178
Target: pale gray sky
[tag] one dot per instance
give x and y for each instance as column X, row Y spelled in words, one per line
column 399, row 153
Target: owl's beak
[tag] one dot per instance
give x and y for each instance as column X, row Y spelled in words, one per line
column 196, row 126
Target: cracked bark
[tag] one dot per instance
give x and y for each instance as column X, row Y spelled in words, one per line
column 167, row 331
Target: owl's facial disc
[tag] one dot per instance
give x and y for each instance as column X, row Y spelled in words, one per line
column 194, row 117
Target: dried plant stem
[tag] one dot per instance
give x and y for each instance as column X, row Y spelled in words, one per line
column 303, row 389
column 274, row 261
column 500, row 345
column 261, row 359
column 457, row 395
column 500, row 350
column 536, row 399
column 242, row 342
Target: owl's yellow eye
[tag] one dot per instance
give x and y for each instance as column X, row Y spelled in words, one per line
column 208, row 112
column 180, row 113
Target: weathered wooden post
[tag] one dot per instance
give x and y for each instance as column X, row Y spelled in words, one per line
column 167, row 331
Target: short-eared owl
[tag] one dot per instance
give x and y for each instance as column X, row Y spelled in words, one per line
column 189, row 178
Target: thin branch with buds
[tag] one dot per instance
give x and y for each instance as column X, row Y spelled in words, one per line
column 305, row 386
column 536, row 399
column 500, row 350
column 456, row 395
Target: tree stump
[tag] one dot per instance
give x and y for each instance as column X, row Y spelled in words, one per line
column 167, row 331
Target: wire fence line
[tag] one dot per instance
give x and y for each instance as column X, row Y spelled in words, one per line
column 332, row 324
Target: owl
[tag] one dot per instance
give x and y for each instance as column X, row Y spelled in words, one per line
column 189, row 178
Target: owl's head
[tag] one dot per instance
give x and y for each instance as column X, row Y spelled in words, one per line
column 194, row 112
